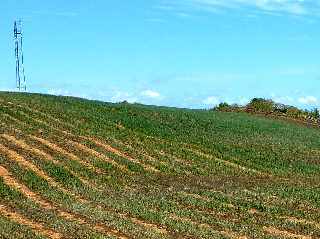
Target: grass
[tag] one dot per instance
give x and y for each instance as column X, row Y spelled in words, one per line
column 220, row 175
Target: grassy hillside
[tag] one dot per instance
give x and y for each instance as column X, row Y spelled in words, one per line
column 71, row 168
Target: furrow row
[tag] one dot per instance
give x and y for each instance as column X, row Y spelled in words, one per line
column 44, row 156
column 16, row 157
column 20, row 219
column 12, row 182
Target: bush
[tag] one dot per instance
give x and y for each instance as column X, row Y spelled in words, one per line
column 223, row 107
column 260, row 105
column 294, row 112
column 265, row 106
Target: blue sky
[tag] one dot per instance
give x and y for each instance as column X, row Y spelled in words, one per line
column 185, row 53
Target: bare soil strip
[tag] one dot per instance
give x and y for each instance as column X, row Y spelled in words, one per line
column 10, row 181
column 228, row 234
column 43, row 114
column 13, row 118
column 91, row 151
column 94, row 153
column 232, row 235
column 225, row 162
column 14, row 156
column 185, row 219
column 105, row 146
column 181, row 161
column 18, row 121
column 197, row 196
column 97, row 154
column 152, row 226
column 140, row 152
column 302, row 221
column 23, row 145
column 282, row 233
column 123, row 155
column 36, row 227
column 40, row 153
column 60, row 150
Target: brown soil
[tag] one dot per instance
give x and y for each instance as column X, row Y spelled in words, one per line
column 285, row 234
column 303, row 221
column 23, row 145
column 228, row 234
column 60, row 150
column 10, row 181
column 124, row 155
column 94, row 153
column 197, row 196
column 40, row 153
column 16, row 157
column 36, row 227
column 225, row 162
column 181, row 161
column 24, row 163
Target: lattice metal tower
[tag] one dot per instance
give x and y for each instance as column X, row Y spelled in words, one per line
column 20, row 74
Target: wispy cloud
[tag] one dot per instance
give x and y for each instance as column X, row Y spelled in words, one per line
column 123, row 96
column 308, row 100
column 151, row 94
column 292, row 7
column 9, row 89
column 288, row 100
column 211, row 100
column 57, row 13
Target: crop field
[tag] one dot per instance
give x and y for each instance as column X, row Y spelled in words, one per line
column 73, row 168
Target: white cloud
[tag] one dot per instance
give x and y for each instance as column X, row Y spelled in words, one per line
column 293, row 7
column 67, row 13
column 58, row 92
column 63, row 92
column 211, row 100
column 243, row 100
column 283, row 99
column 9, row 89
column 308, row 100
column 151, row 94
column 123, row 96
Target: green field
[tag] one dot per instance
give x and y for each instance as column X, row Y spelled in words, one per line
column 73, row 168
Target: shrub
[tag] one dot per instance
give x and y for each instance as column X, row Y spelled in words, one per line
column 223, row 107
column 260, row 105
column 294, row 112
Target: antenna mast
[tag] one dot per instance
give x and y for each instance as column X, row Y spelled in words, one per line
column 18, row 39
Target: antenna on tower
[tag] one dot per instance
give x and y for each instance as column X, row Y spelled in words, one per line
column 18, row 39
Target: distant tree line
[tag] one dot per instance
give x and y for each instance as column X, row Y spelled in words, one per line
column 269, row 107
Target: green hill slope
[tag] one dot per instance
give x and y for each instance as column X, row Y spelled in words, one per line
column 72, row 168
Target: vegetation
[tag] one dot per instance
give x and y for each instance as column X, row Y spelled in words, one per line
column 72, row 168
column 269, row 107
